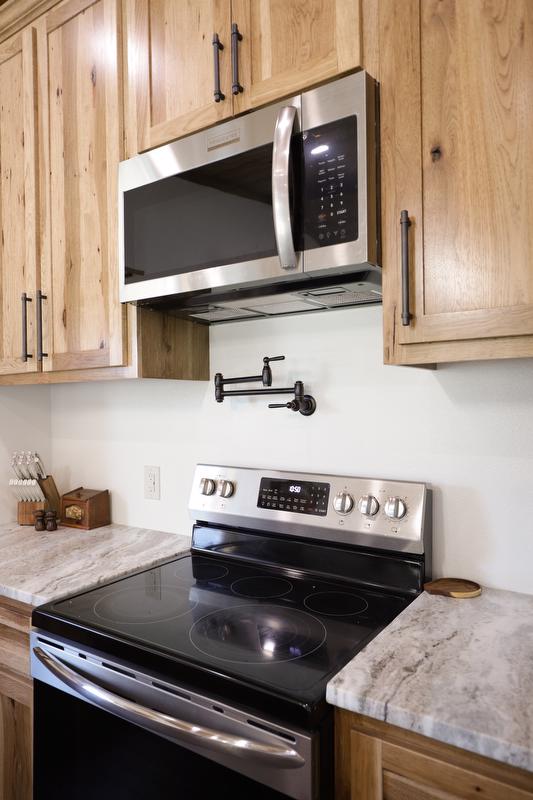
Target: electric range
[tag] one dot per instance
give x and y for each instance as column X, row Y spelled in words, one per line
column 223, row 656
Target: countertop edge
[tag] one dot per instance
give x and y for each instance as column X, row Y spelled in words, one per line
column 447, row 733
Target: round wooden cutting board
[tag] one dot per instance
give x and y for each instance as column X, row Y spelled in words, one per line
column 453, row 587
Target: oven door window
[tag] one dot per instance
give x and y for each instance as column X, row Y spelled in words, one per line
column 84, row 753
column 216, row 214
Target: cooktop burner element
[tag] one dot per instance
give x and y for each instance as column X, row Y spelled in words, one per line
column 261, row 587
column 205, row 570
column 336, row 604
column 255, row 634
column 141, row 606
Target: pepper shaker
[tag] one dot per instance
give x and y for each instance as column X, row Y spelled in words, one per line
column 51, row 520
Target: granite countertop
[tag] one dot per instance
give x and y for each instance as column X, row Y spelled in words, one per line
column 459, row 671
column 38, row 567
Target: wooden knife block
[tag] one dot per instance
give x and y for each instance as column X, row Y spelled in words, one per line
column 26, row 509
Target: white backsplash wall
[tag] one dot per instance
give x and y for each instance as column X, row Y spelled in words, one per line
column 466, row 429
column 24, row 425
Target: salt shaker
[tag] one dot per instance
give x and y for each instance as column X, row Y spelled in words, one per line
column 39, row 521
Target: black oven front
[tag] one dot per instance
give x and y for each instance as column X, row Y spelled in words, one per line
column 103, row 729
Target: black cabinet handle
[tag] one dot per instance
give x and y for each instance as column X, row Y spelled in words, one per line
column 217, row 46
column 25, row 300
column 40, row 298
column 405, row 224
column 236, row 37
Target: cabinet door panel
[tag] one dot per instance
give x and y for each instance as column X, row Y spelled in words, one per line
column 476, row 276
column 289, row 46
column 81, row 121
column 170, row 68
column 18, row 198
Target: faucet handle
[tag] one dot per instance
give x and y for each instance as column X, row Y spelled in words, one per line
column 266, row 375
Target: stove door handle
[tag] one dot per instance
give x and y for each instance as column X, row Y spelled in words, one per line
column 274, row 755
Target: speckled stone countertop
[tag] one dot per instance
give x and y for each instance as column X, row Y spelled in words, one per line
column 460, row 671
column 38, row 567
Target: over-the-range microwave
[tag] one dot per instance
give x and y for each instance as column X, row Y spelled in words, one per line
column 274, row 212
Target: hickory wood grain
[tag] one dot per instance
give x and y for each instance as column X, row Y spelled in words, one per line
column 288, row 47
column 15, row 701
column 82, row 133
column 18, row 201
column 377, row 761
column 169, row 73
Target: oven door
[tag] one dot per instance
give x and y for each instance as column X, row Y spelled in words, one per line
column 104, row 730
column 213, row 209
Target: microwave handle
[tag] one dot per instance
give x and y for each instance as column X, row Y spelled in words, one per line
column 280, row 187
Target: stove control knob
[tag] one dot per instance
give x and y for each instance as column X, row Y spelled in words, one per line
column 395, row 508
column 343, row 503
column 207, row 486
column 225, row 488
column 368, row 505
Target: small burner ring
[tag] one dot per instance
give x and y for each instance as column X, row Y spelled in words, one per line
column 335, row 604
column 261, row 587
column 158, row 605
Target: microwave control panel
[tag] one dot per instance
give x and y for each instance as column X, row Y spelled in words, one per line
column 330, row 183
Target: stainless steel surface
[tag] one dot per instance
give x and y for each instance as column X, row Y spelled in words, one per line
column 207, row 486
column 343, row 503
column 395, row 508
column 254, row 746
column 352, row 94
column 281, row 207
column 225, row 488
column 410, row 533
column 229, row 139
column 368, row 505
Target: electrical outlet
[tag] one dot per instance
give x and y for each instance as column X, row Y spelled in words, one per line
column 152, row 489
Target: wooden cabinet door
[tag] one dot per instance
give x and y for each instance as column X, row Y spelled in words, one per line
column 288, row 46
column 472, row 265
column 169, row 65
column 18, row 202
column 80, row 119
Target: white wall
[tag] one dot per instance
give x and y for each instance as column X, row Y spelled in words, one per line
column 24, row 425
column 466, row 429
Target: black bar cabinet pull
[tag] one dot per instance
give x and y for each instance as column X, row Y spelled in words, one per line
column 25, row 301
column 217, row 46
column 236, row 37
column 40, row 298
column 405, row 224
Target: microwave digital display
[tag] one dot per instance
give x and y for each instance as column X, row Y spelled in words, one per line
column 303, row 497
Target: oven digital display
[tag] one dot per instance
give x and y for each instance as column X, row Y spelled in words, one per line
column 303, row 497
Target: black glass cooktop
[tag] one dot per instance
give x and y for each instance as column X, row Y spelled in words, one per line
column 276, row 629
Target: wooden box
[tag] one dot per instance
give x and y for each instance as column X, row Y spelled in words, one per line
column 85, row 508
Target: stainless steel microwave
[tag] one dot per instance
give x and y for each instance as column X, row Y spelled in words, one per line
column 274, row 212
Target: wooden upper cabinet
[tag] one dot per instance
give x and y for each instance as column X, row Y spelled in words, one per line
column 288, row 46
column 81, row 135
column 169, row 66
column 18, row 203
column 169, row 59
column 457, row 156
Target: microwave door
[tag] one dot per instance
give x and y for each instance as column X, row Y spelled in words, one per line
column 224, row 221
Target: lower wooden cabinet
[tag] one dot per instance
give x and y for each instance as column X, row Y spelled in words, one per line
column 377, row 761
column 15, row 701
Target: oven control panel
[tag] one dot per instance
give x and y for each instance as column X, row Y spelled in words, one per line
column 389, row 514
column 301, row 497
